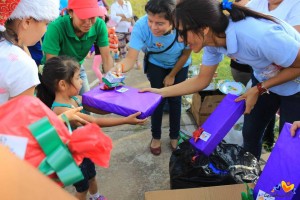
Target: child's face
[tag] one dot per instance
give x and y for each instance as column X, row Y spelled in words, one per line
column 76, row 84
column 31, row 31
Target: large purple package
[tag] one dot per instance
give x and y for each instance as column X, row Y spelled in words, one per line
column 219, row 124
column 122, row 101
column 280, row 178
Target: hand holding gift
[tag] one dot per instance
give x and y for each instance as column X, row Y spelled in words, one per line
column 294, row 127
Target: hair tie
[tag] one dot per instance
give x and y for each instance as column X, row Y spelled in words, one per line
column 226, row 5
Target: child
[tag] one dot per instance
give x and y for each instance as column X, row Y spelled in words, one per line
column 59, row 89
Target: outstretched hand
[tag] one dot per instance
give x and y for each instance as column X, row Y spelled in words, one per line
column 294, row 127
column 250, row 98
column 73, row 118
column 132, row 119
column 153, row 90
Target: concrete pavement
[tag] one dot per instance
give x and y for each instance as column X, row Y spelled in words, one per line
column 133, row 169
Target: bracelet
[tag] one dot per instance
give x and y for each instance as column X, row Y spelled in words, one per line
column 261, row 89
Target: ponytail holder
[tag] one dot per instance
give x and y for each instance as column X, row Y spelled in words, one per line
column 226, row 5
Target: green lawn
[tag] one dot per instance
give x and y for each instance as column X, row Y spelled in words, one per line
column 138, row 7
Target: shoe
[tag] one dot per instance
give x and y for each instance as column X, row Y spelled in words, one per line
column 155, row 151
column 173, row 144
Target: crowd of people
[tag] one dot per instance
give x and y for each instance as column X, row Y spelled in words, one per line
column 256, row 35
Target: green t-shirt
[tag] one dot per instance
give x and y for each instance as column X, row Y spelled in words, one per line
column 60, row 38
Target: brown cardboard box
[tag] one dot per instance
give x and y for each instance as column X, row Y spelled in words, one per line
column 20, row 180
column 195, row 107
column 225, row 192
column 201, row 111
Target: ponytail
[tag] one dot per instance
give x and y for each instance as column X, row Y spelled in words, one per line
column 44, row 93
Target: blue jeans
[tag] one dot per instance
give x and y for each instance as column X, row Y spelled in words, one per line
column 156, row 76
column 264, row 110
column 85, row 81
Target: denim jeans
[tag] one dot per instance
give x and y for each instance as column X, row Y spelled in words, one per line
column 85, row 81
column 156, row 76
column 264, row 110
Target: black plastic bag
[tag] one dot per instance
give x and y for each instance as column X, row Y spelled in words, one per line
column 228, row 164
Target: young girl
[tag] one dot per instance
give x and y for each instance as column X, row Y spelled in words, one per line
column 59, row 89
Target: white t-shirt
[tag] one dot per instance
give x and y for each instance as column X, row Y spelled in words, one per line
column 126, row 9
column 287, row 10
column 18, row 72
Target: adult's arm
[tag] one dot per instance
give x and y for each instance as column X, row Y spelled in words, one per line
column 106, row 58
column 285, row 75
column 188, row 86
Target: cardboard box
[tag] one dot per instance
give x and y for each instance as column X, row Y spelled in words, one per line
column 226, row 192
column 280, row 178
column 202, row 107
column 122, row 101
column 20, row 180
column 219, row 124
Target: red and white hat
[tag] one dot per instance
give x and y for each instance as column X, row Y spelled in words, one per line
column 40, row 10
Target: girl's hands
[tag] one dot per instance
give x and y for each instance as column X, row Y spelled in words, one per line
column 73, row 118
column 250, row 98
column 132, row 119
column 294, row 127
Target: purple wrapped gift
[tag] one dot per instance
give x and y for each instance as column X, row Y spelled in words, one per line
column 218, row 124
column 280, row 178
column 123, row 101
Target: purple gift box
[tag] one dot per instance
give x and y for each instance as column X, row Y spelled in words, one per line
column 280, row 178
column 122, row 101
column 219, row 124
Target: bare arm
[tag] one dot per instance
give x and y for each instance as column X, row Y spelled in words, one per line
column 287, row 74
column 106, row 58
column 48, row 56
column 188, row 86
column 105, row 122
column 170, row 78
column 297, row 28
column 129, row 61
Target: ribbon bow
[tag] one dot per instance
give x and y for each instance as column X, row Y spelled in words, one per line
column 58, row 158
column 197, row 133
column 226, row 5
column 248, row 195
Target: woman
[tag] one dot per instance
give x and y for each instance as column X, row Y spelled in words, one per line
column 121, row 13
column 155, row 33
column 287, row 10
column 74, row 35
column 251, row 38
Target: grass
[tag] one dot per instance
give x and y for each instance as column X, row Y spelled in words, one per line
column 138, row 7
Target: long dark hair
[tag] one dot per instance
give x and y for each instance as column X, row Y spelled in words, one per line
column 193, row 15
column 162, row 6
column 55, row 69
column 9, row 34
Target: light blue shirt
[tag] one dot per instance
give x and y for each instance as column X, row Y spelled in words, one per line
column 266, row 46
column 143, row 39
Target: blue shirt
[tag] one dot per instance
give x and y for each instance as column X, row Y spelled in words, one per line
column 142, row 38
column 266, row 46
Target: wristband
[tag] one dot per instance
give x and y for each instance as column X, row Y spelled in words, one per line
column 261, row 89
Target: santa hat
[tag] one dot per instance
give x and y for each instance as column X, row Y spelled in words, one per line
column 40, row 10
